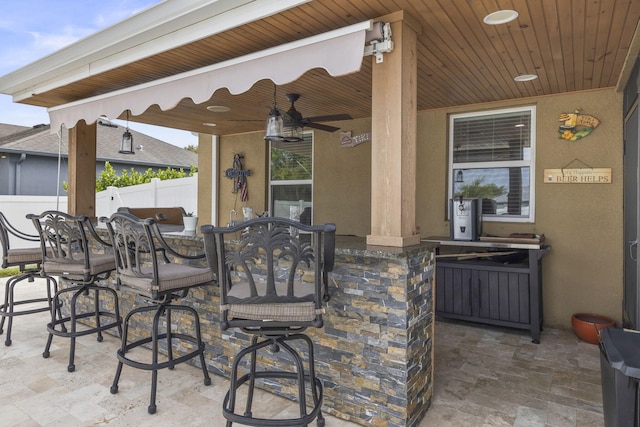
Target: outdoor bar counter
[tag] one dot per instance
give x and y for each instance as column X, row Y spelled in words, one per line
column 375, row 351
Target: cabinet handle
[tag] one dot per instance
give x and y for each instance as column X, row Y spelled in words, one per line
column 633, row 244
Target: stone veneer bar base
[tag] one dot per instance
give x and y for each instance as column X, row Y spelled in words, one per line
column 375, row 352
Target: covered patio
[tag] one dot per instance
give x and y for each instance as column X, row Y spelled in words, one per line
column 176, row 64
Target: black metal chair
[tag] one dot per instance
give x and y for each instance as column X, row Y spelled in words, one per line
column 144, row 268
column 273, row 275
column 67, row 253
column 29, row 262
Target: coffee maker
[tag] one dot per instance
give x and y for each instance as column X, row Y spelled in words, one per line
column 466, row 218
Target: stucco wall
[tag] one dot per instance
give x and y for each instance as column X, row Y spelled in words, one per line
column 581, row 222
column 342, row 177
column 255, row 152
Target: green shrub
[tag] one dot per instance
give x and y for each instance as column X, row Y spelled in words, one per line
column 110, row 178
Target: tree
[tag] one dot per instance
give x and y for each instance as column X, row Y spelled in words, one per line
column 192, row 148
column 476, row 190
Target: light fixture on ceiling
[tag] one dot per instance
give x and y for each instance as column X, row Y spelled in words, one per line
column 209, row 124
column 525, row 77
column 218, row 108
column 292, row 129
column 459, row 176
column 275, row 124
column 126, row 144
column 500, row 17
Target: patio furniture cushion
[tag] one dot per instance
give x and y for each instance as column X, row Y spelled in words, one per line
column 97, row 264
column 24, row 256
column 170, row 277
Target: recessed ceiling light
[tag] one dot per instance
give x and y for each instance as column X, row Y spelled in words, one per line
column 500, row 17
column 218, row 108
column 525, row 77
column 209, row 124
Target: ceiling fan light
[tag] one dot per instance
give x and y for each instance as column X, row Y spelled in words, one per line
column 292, row 133
column 274, row 126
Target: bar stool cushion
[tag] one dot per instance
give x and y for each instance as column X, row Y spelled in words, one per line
column 170, row 277
column 24, row 256
column 300, row 307
column 98, row 264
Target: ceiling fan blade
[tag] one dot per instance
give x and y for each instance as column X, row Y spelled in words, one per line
column 319, row 126
column 329, row 118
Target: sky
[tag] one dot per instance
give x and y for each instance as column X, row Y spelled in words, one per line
column 33, row 29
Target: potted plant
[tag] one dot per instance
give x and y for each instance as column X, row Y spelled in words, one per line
column 190, row 221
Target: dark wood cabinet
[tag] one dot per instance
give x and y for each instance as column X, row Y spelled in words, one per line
column 498, row 292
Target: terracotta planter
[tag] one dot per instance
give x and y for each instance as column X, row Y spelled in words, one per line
column 587, row 326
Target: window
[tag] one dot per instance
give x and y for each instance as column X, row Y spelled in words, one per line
column 492, row 157
column 291, row 179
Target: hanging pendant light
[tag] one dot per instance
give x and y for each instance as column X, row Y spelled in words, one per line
column 275, row 124
column 126, row 144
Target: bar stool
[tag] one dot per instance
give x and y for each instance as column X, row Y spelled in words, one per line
column 29, row 262
column 273, row 275
column 67, row 253
column 143, row 267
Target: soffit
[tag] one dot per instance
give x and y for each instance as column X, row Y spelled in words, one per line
column 571, row 44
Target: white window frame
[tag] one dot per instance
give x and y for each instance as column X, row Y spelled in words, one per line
column 486, row 165
column 273, row 183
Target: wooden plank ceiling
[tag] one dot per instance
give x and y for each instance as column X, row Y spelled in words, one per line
column 570, row 44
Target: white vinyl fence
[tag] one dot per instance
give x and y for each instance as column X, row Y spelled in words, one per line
column 182, row 192
column 169, row 193
column 16, row 209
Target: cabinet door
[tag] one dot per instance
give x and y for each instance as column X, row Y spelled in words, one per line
column 453, row 290
column 503, row 296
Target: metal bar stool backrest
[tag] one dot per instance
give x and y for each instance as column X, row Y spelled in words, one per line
column 272, row 271
column 66, row 249
column 18, row 257
column 143, row 258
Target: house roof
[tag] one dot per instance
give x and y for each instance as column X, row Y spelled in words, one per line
column 571, row 46
column 8, row 129
column 149, row 151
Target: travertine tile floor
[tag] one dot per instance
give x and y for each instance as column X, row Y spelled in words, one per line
column 485, row 376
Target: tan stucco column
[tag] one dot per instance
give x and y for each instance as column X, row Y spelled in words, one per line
column 82, row 170
column 393, row 134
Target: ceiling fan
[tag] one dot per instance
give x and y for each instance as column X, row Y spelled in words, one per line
column 293, row 118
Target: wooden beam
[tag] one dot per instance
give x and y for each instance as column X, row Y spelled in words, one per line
column 393, row 130
column 82, row 170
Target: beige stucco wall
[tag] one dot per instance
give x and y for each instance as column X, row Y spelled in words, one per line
column 582, row 223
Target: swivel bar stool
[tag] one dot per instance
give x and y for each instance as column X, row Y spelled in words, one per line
column 143, row 267
column 29, row 262
column 67, row 253
column 273, row 276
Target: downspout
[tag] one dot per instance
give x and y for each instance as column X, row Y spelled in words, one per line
column 22, row 158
